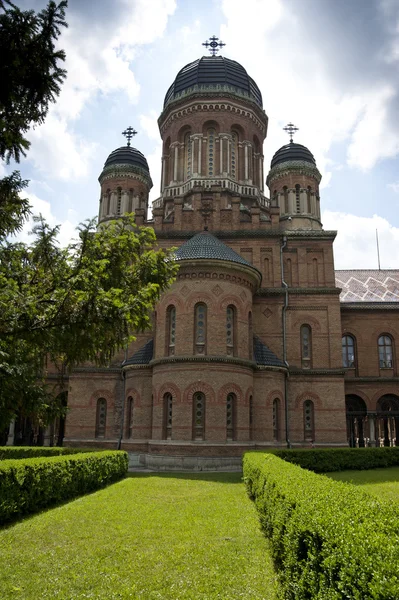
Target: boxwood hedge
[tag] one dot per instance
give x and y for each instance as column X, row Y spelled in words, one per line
column 8, row 452
column 329, row 540
column 28, row 485
column 324, row 460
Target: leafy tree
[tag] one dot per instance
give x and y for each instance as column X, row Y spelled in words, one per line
column 63, row 305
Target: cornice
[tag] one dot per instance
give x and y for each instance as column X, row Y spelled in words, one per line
column 378, row 380
column 254, row 233
column 304, row 291
column 316, row 372
column 369, row 306
column 229, row 360
column 300, row 167
column 211, row 100
column 95, row 370
column 117, row 170
column 251, row 272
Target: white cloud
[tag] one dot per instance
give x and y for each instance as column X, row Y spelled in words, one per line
column 355, row 246
column 394, row 187
column 98, row 62
column 39, row 206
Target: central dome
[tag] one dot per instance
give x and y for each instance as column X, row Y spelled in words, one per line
column 214, row 73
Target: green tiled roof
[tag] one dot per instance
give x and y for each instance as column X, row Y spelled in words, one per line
column 204, row 245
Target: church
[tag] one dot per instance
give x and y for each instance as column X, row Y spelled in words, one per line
column 260, row 342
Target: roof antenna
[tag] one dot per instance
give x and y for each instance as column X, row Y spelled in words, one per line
column 378, row 249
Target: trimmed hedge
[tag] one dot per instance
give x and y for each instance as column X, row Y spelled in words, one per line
column 32, row 484
column 324, row 460
column 329, row 540
column 11, row 452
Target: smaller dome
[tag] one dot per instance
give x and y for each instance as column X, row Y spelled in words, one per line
column 127, row 156
column 291, row 152
column 204, row 245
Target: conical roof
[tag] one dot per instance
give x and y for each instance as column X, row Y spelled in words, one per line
column 264, row 356
column 204, row 245
column 143, row 356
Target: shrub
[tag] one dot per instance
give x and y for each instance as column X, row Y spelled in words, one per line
column 11, row 452
column 329, row 540
column 324, row 460
column 28, row 485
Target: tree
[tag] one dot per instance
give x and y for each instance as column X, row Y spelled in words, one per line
column 67, row 305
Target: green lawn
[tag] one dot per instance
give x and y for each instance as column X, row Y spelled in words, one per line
column 381, row 482
column 148, row 537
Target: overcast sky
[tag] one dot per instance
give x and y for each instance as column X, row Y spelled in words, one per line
column 330, row 66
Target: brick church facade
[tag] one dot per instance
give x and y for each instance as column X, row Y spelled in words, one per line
column 259, row 342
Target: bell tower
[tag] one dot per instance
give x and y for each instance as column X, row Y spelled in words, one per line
column 125, row 183
column 294, row 181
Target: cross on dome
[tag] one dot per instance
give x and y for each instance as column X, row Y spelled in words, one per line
column 213, row 45
column 129, row 133
column 290, row 129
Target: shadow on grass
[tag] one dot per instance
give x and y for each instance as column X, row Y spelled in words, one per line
column 216, row 476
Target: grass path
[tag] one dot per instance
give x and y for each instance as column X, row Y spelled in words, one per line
column 381, row 482
column 151, row 537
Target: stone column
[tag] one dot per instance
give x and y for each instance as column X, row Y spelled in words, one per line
column 114, row 201
column 228, row 156
column 246, row 162
column 11, row 432
column 175, row 162
column 371, row 419
column 163, row 175
column 199, row 156
column 262, row 183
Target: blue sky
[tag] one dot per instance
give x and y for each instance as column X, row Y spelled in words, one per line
column 330, row 66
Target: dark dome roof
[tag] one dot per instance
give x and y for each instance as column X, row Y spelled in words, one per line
column 204, row 245
column 290, row 152
column 127, row 156
column 211, row 71
column 143, row 356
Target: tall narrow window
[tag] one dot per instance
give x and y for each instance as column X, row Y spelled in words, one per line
column 230, row 330
column 308, row 420
column 276, row 419
column 267, row 270
column 170, row 330
column 385, row 352
column 130, row 411
column 250, row 337
column 298, row 198
column 251, row 418
column 288, row 274
column 108, row 208
column 286, row 208
column 130, row 206
column 230, row 417
column 200, row 329
column 348, row 351
column 198, row 416
column 234, row 155
column 306, row 346
column 309, row 199
column 167, row 411
column 315, row 272
column 211, row 152
column 101, row 417
column 118, row 200
column 189, row 155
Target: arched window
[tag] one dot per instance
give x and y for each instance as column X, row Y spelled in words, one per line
column 130, row 418
column 234, row 154
column 298, row 198
column 211, row 152
column 230, row 417
column 189, row 154
column 276, row 419
column 198, row 416
column 251, row 418
column 230, row 330
column 385, row 352
column 348, row 351
column 167, row 411
column 308, row 420
column 170, row 330
column 306, row 346
column 200, row 329
column 101, row 417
